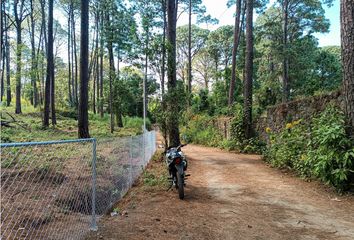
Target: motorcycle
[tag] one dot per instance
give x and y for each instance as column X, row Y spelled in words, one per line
column 177, row 166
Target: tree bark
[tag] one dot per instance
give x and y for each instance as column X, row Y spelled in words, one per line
column 73, row 90
column 18, row 20
column 69, row 59
column 83, row 129
column 52, row 76
column 247, row 115
column 101, row 69
column 96, row 78
column 75, row 59
column 111, row 73
column 163, row 48
column 286, row 89
column 8, row 79
column 347, row 40
column 234, row 52
column 34, row 96
column 172, row 120
column 2, row 50
column 50, row 67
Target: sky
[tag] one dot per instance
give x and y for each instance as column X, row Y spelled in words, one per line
column 219, row 10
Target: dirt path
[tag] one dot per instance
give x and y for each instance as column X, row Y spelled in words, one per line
column 235, row 196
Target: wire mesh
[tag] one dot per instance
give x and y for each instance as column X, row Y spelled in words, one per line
column 58, row 190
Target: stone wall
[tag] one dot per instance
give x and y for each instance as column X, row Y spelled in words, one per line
column 224, row 126
column 276, row 117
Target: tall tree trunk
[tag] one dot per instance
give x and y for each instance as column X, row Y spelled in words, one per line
column 101, row 77
column 50, row 68
column 75, row 59
column 95, row 77
column 163, row 48
column 69, row 59
column 52, row 76
column 8, row 79
column 172, row 120
column 101, row 66
column 111, row 73
column 190, row 49
column 34, row 59
column 286, row 89
column 44, row 50
column 247, row 118
column 42, row 2
column 2, row 50
column 72, row 59
column 43, row 74
column 234, row 52
column 18, row 71
column 83, row 129
column 2, row 72
column 163, row 124
column 18, row 21
column 347, row 40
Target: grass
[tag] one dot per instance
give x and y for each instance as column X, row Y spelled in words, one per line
column 28, row 126
column 156, row 175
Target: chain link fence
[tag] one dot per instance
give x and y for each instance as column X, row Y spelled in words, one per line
column 60, row 189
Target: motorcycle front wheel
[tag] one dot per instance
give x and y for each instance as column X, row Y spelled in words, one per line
column 180, row 186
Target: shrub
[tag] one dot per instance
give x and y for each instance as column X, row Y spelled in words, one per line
column 287, row 146
column 321, row 149
column 330, row 152
column 237, row 134
column 136, row 123
column 199, row 130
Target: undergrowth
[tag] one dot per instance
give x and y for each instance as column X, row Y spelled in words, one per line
column 28, row 127
column 320, row 149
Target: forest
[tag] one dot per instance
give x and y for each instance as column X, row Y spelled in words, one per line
column 101, row 66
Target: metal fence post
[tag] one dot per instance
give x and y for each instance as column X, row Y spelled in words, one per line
column 93, row 221
column 144, row 147
column 153, row 142
column 131, row 161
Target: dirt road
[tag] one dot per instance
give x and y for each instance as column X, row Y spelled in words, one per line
column 235, row 196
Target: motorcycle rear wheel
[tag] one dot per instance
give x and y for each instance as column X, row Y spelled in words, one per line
column 180, row 184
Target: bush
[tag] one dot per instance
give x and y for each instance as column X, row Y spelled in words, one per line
column 199, row 130
column 286, row 147
column 330, row 152
column 136, row 123
column 321, row 149
column 238, row 140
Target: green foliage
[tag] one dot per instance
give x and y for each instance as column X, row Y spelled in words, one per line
column 200, row 102
column 136, row 123
column 330, row 151
column 321, row 150
column 238, row 140
column 29, row 126
column 287, row 147
column 200, row 130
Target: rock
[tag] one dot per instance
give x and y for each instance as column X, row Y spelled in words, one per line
column 114, row 214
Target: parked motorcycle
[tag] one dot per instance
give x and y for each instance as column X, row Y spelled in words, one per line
column 177, row 166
